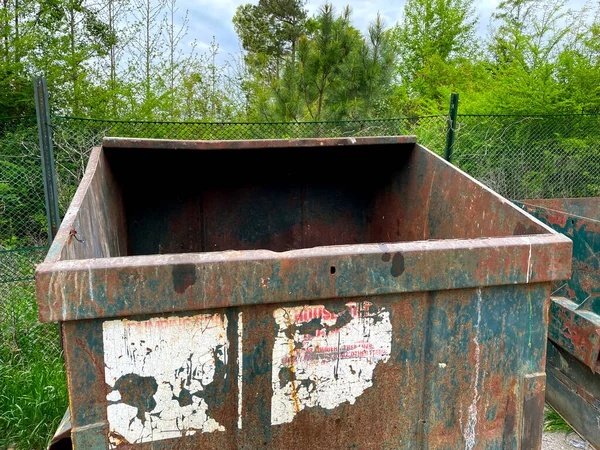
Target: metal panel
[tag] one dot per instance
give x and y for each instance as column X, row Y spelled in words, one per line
column 575, row 311
column 574, row 391
column 435, row 367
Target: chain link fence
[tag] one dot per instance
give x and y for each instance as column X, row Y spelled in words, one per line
column 23, row 234
column 518, row 156
column 22, row 206
column 32, row 386
column 526, row 157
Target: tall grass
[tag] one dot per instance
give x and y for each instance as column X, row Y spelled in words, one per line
column 33, row 388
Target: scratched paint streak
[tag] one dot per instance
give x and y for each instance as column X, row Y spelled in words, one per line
column 90, row 283
column 323, row 359
column 240, row 358
column 157, row 371
column 472, row 421
column 529, row 267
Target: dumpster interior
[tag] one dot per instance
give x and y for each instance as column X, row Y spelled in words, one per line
column 279, row 199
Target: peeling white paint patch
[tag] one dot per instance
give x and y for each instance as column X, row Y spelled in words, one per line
column 469, row 433
column 160, row 371
column 323, row 359
column 442, row 365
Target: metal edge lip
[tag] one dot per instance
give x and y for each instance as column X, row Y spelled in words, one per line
column 447, row 265
column 172, row 144
column 532, row 204
column 322, row 251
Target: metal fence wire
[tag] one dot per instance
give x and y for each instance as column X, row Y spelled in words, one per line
column 536, row 156
column 22, row 207
column 29, row 350
column 23, row 239
column 527, row 157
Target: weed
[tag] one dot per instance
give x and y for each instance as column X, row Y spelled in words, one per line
column 553, row 422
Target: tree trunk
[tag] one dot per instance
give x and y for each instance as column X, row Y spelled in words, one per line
column 74, row 65
column 113, row 62
column 148, row 51
column 17, row 36
column 6, row 52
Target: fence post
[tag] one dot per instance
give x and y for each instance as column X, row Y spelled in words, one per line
column 48, row 170
column 451, row 126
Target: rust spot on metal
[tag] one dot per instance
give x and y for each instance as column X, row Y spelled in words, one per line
column 73, row 235
column 84, row 347
column 534, row 387
column 119, row 440
column 397, row 265
column 184, row 276
column 521, row 229
column 292, row 375
column 215, row 393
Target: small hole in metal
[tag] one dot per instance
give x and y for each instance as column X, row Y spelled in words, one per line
column 572, row 221
column 332, row 270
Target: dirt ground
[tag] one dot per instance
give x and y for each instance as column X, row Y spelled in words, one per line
column 563, row 441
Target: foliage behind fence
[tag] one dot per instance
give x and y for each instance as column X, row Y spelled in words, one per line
column 523, row 157
column 32, row 381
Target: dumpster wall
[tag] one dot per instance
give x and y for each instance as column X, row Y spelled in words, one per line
column 357, row 336
column 97, row 227
column 574, row 391
column 446, row 370
column 575, row 312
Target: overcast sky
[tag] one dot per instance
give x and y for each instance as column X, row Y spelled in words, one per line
column 208, row 18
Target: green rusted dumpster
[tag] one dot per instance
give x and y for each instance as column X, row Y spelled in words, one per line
column 298, row 294
column 573, row 364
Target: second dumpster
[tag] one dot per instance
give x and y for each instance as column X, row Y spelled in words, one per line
column 298, row 294
column 573, row 362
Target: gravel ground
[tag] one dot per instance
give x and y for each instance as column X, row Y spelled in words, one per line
column 563, row 441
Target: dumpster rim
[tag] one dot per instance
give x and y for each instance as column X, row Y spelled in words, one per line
column 63, row 287
column 532, row 204
column 250, row 144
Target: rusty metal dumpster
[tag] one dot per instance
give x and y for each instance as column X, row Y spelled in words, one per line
column 298, row 294
column 573, row 365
